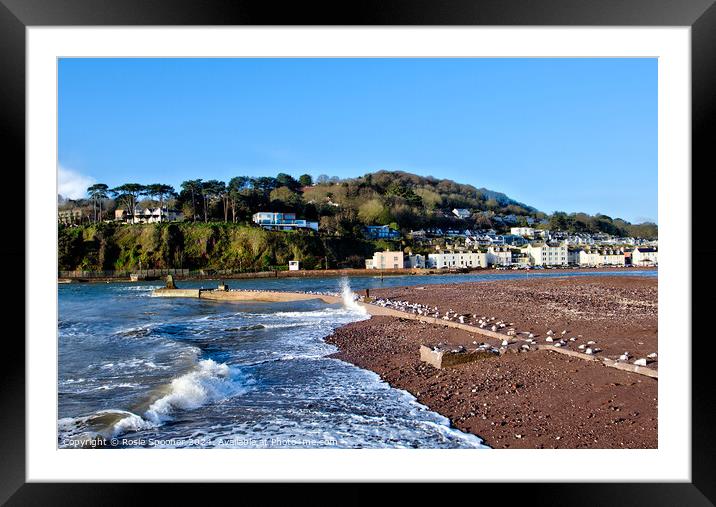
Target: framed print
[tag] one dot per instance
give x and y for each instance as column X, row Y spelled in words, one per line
column 419, row 244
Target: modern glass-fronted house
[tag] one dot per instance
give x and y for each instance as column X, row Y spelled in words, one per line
column 282, row 221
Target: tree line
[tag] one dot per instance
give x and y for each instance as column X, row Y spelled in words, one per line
column 599, row 223
column 128, row 195
column 343, row 207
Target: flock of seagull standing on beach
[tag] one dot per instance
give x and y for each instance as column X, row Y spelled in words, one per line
column 496, row 326
column 491, row 323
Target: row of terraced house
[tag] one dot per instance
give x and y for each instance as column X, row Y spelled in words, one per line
column 539, row 254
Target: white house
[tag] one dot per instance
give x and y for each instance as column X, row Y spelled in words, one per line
column 547, row 254
column 613, row 258
column 499, row 256
column 601, row 258
column 523, row 231
column 68, row 217
column 457, row 260
column 282, row 221
column 461, row 213
column 385, row 260
column 588, row 258
column 643, row 256
column 147, row 215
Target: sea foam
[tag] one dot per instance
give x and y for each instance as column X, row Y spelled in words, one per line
column 349, row 297
column 209, row 382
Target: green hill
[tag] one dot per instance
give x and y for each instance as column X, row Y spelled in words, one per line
column 218, row 233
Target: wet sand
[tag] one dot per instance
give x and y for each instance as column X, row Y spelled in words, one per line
column 535, row 399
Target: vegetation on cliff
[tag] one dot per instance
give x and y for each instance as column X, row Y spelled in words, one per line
column 106, row 247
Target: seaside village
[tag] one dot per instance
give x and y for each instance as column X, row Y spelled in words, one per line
column 522, row 248
column 454, row 249
column 537, row 253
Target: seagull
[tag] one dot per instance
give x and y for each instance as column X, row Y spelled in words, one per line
column 652, row 355
column 588, row 351
column 624, row 356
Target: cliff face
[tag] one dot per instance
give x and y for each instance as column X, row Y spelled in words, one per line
column 106, row 247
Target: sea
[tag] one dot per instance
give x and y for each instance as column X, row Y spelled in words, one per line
column 135, row 371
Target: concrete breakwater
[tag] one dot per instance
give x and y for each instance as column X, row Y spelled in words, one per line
column 371, row 309
column 244, row 295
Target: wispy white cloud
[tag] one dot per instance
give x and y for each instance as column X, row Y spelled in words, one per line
column 72, row 184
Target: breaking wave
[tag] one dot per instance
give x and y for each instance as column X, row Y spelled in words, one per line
column 209, row 382
column 350, row 297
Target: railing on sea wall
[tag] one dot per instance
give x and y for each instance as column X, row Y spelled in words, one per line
column 265, row 272
column 180, row 273
column 123, row 274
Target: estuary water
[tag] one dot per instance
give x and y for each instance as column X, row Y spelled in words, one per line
column 138, row 371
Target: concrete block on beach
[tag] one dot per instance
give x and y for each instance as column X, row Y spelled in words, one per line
column 445, row 358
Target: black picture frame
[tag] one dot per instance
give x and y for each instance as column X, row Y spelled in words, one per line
column 16, row 15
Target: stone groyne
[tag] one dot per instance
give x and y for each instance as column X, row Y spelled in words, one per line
column 244, row 295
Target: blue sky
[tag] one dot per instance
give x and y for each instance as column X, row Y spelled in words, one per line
column 557, row 134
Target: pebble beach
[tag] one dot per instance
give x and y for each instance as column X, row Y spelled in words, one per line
column 525, row 398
